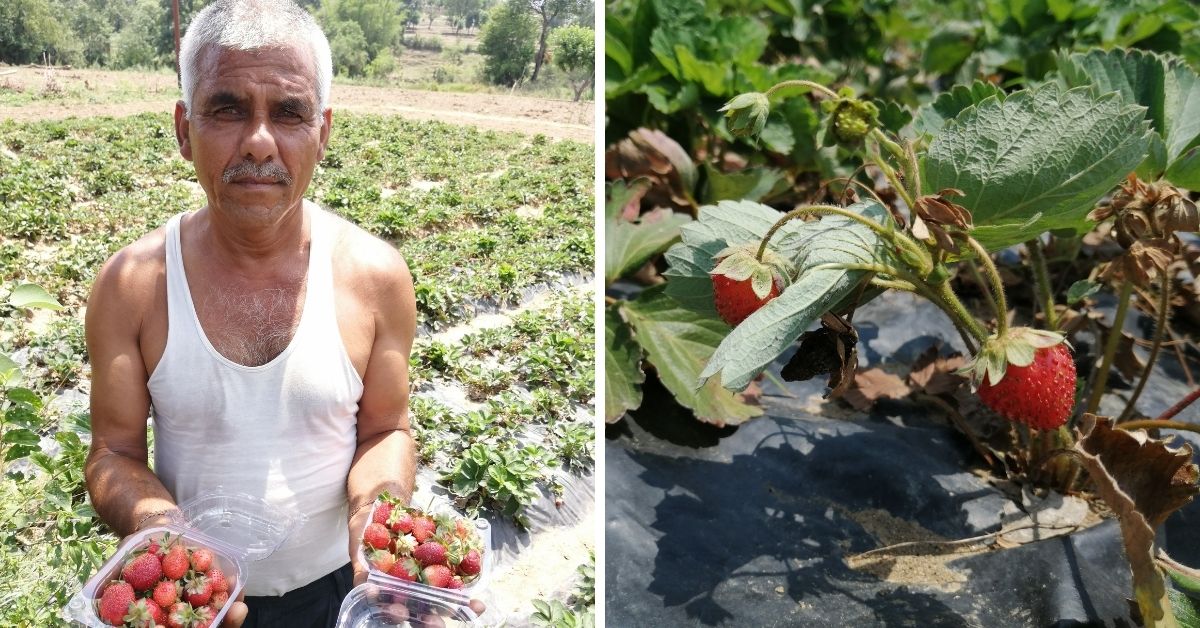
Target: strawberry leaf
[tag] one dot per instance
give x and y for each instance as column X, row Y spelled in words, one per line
column 629, row 245
column 1035, row 161
column 28, row 295
column 679, row 342
column 932, row 117
column 623, row 374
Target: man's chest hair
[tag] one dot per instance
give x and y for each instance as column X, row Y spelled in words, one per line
column 250, row 325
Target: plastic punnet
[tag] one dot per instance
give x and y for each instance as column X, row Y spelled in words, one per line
column 381, row 602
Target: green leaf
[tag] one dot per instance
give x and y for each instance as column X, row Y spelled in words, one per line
column 29, row 295
column 713, row 76
column 1036, row 161
column 1081, row 290
column 1185, row 609
column 623, row 374
column 628, row 246
column 892, row 116
column 751, row 184
column 1185, row 171
column 621, row 193
column 933, row 116
column 1061, row 9
column 10, row 371
column 1186, row 581
column 741, row 39
column 615, row 49
column 638, row 81
column 669, row 99
column 1164, row 84
column 948, row 47
column 770, row 331
column 679, row 342
column 24, row 395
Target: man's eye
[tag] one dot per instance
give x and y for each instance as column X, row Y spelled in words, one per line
column 227, row 111
column 290, row 116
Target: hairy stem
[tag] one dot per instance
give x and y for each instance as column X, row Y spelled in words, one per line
column 890, row 173
column 1110, row 346
column 1160, row 325
column 957, row 311
column 983, row 284
column 801, row 83
column 816, row 210
column 1042, row 279
column 1150, row 424
column 997, row 286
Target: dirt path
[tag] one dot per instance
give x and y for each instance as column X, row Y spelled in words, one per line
column 88, row 93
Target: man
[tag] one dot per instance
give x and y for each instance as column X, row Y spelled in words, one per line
column 270, row 338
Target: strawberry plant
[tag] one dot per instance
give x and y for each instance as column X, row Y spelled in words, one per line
column 930, row 197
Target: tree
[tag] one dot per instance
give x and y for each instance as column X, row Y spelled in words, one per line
column 574, row 52
column 462, row 13
column 508, row 42
column 349, row 48
column 28, row 28
column 379, row 21
column 550, row 11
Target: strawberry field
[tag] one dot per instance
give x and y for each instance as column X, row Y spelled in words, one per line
column 901, row 313
column 497, row 230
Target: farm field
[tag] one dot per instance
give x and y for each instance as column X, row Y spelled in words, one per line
column 497, row 228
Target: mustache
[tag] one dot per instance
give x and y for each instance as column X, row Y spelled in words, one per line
column 269, row 170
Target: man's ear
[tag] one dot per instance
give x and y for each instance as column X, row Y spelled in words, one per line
column 182, row 127
column 326, row 127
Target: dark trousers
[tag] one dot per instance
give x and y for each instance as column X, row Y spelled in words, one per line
column 315, row 604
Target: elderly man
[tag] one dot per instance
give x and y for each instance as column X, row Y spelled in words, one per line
column 268, row 339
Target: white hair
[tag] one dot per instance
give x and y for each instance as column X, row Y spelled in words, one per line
column 252, row 25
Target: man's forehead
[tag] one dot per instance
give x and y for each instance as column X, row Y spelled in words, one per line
column 289, row 69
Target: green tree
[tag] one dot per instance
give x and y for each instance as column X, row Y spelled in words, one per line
column 463, row 13
column 380, row 21
column 550, row 12
column 29, row 28
column 508, row 42
column 573, row 49
column 136, row 45
column 349, row 48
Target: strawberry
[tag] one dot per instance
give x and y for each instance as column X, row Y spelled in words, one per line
column 376, row 535
column 455, row 583
column 166, row 593
column 144, row 614
column 175, row 563
column 381, row 560
column 180, row 616
column 437, row 575
column 742, row 283
column 401, row 522
column 462, row 529
column 142, row 572
column 423, row 528
column 115, row 602
column 203, row 617
column 430, row 553
column 201, row 559
column 471, row 563
column 219, row 599
column 1027, row 377
column 406, row 569
column 382, row 511
column 217, row 578
column 197, row 590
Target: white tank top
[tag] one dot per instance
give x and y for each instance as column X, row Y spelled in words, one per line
column 284, row 431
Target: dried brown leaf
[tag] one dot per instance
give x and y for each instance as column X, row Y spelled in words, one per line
column 873, row 384
column 933, row 374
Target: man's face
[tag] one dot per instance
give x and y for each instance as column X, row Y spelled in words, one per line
column 256, row 132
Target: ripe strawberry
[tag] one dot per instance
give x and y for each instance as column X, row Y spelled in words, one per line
column 430, row 553
column 144, row 614
column 405, row 569
column 142, row 572
column 201, row 559
column 381, row 560
column 175, row 563
column 197, row 590
column 471, row 563
column 376, row 535
column 382, row 511
column 423, row 528
column 437, row 575
column 455, row 583
column 401, row 522
column 1027, row 376
column 166, row 593
column 180, row 616
column 219, row 599
column 217, row 578
column 203, row 617
column 742, row 283
column 115, row 602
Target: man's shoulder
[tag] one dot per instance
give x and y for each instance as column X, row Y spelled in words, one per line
column 366, row 257
column 139, row 264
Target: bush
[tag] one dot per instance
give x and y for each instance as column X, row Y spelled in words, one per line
column 418, row 42
column 349, row 48
column 508, row 42
column 383, row 65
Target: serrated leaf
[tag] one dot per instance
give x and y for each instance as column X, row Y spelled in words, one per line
column 628, row 245
column 892, row 116
column 741, row 39
column 713, row 76
column 751, row 184
column 770, row 331
column 24, row 395
column 670, row 98
column 21, row 436
column 623, row 374
column 1165, row 85
column 1041, row 151
column 29, row 295
column 1185, row 171
column 931, row 117
column 1081, row 290
column 679, row 342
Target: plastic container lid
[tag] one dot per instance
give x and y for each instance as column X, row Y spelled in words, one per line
column 250, row 525
column 381, row 602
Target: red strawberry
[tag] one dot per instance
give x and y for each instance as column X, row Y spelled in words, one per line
column 217, row 578
column 381, row 560
column 471, row 563
column 437, row 575
column 197, row 590
column 114, row 603
column 142, row 572
column 423, row 528
column 166, row 593
column 430, row 553
column 455, row 583
column 742, row 283
column 1040, row 395
column 219, row 599
column 201, row 559
column 406, row 569
column 144, row 614
column 180, row 616
column 203, row 617
column 175, row 563
column 376, row 535
column 401, row 522
column 382, row 511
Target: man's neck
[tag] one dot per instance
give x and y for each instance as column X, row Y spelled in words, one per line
column 251, row 245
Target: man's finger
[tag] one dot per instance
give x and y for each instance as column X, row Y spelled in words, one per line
column 235, row 616
column 478, row 606
column 360, row 576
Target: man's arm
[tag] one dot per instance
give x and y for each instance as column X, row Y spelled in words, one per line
column 124, row 491
column 386, row 454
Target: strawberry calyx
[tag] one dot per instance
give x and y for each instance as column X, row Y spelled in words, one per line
column 740, row 263
column 1017, row 347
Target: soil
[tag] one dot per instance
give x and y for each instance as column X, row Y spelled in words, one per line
column 86, row 93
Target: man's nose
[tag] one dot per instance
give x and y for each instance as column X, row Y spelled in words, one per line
column 258, row 138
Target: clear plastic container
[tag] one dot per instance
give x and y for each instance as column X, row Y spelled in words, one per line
column 381, row 602
column 439, row 505
column 235, row 527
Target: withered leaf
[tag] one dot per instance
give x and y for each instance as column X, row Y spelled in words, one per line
column 933, row 374
column 832, row 349
column 873, row 384
column 1143, row 481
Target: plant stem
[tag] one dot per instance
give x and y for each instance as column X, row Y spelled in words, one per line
column 1160, row 325
column 983, row 285
column 890, row 173
column 958, row 311
column 889, row 234
column 997, row 286
column 1150, row 424
column 1179, row 407
column 1042, row 278
column 801, row 83
column 1110, row 346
